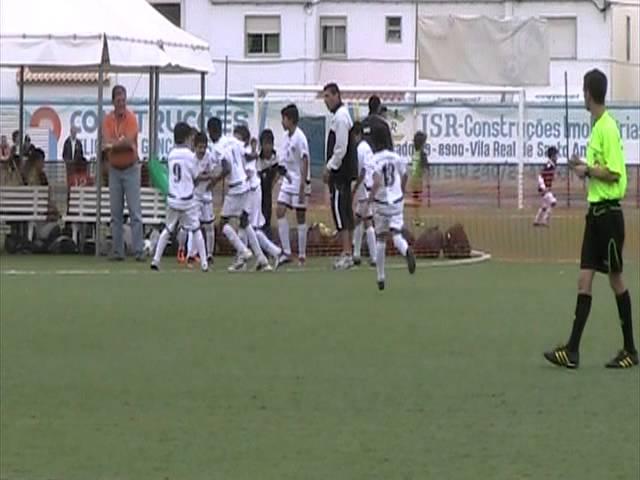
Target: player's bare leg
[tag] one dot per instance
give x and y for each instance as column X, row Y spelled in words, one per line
column 357, row 240
column 283, row 231
column 301, row 217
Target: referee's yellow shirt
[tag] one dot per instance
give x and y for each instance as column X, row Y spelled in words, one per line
column 605, row 149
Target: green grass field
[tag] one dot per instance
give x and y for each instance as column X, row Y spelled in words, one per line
column 127, row 374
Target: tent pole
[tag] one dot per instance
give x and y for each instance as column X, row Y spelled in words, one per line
column 226, row 93
column 99, row 160
column 156, row 101
column 21, row 115
column 151, row 115
column 202, row 96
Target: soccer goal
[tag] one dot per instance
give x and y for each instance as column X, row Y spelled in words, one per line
column 478, row 139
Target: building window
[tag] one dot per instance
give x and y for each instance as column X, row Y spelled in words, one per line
column 394, row 29
column 334, row 36
column 171, row 11
column 262, row 35
column 628, row 29
column 562, row 32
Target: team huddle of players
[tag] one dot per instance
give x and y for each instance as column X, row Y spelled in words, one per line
column 195, row 169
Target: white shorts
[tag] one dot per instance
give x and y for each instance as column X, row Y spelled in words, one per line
column 254, row 205
column 291, row 200
column 188, row 219
column 387, row 218
column 364, row 210
column 548, row 200
column 206, row 212
column 235, row 205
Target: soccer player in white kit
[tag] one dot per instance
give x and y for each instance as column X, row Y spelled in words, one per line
column 181, row 205
column 295, row 187
column 205, row 166
column 254, row 205
column 363, row 210
column 387, row 197
column 231, row 154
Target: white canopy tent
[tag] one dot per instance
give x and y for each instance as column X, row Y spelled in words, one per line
column 112, row 35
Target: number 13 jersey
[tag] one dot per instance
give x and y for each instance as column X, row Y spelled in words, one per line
column 391, row 169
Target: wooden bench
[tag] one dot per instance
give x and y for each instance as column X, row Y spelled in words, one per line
column 24, row 204
column 83, row 206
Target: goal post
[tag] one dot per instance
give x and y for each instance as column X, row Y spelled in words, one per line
column 497, row 137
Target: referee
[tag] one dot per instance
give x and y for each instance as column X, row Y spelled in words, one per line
column 604, row 228
column 341, row 170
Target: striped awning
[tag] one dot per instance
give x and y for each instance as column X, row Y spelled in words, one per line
column 35, row 76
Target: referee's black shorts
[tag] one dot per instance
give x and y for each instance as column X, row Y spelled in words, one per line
column 603, row 238
column 341, row 203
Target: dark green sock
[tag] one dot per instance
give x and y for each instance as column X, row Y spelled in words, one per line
column 624, row 311
column 583, row 307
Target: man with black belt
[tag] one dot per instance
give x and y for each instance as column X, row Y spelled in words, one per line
column 341, row 170
column 604, row 229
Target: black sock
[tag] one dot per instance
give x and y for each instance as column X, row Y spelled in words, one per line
column 583, row 306
column 624, row 310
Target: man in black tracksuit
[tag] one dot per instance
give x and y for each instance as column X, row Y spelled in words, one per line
column 375, row 120
column 340, row 172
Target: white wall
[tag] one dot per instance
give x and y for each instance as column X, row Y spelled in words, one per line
column 626, row 74
column 370, row 59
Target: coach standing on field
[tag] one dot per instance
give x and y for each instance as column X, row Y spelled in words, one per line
column 340, row 172
column 603, row 239
column 120, row 132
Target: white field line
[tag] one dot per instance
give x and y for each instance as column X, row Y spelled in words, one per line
column 478, row 257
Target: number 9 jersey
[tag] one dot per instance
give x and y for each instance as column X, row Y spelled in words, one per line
column 182, row 173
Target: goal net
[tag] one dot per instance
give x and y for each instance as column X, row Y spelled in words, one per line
column 485, row 149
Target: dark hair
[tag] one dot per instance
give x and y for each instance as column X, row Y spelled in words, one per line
column 118, row 89
column 37, row 154
column 357, row 128
column 378, row 137
column 332, row 88
column 551, row 151
column 266, row 136
column 15, row 134
column 291, row 112
column 200, row 139
column 243, row 132
column 181, row 132
column 375, row 104
column 214, row 124
column 595, row 82
column 419, row 138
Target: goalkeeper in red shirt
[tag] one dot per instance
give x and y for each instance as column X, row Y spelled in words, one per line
column 545, row 183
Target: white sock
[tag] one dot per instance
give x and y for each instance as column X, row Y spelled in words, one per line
column 242, row 234
column 267, row 245
column 210, row 238
column 198, row 242
column 357, row 240
column 380, row 248
column 182, row 238
column 546, row 215
column 162, row 244
column 253, row 242
column 283, row 230
column 401, row 244
column 371, row 242
column 302, row 240
column 233, row 238
column 540, row 215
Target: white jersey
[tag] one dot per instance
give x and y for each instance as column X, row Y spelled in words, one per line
column 365, row 162
column 294, row 149
column 251, row 167
column 234, row 154
column 182, row 174
column 204, row 165
column 391, row 168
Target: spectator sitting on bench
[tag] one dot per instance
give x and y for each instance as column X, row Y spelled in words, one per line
column 34, row 169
